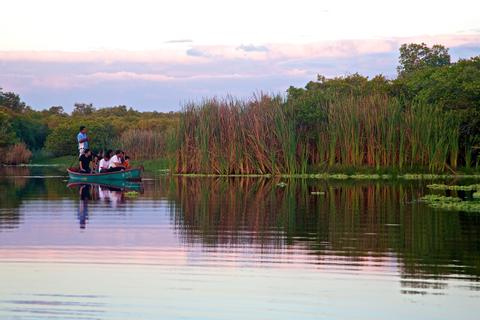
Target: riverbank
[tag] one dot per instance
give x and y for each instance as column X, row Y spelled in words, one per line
column 161, row 166
column 151, row 166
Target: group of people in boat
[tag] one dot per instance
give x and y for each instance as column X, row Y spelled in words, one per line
column 103, row 161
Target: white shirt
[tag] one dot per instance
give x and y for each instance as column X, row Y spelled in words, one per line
column 104, row 164
column 113, row 160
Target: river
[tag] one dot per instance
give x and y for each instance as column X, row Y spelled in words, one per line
column 239, row 248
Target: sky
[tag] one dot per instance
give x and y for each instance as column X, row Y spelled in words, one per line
column 159, row 55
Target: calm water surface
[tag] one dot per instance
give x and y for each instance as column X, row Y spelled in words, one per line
column 196, row 248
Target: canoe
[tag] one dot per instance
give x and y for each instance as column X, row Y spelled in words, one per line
column 130, row 174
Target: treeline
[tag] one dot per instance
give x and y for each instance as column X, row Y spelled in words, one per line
column 52, row 132
column 426, row 118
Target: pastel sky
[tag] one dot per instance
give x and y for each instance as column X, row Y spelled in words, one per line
column 157, row 55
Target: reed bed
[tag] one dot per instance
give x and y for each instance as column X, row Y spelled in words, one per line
column 264, row 135
column 15, row 154
column 144, row 144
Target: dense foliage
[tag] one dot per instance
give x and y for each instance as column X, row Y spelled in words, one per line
column 53, row 132
column 428, row 117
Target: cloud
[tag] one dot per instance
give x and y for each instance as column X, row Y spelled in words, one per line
column 252, row 48
column 173, row 74
column 179, row 41
column 194, row 52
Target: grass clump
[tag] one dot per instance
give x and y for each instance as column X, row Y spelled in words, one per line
column 131, row 194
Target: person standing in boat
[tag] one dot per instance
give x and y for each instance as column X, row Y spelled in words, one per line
column 82, row 139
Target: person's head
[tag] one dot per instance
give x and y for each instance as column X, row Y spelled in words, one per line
column 83, row 129
column 87, row 152
column 119, row 153
column 108, row 154
column 127, row 158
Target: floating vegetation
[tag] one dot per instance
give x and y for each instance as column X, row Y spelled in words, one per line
column 471, row 187
column 420, row 176
column 451, row 203
column 131, row 194
column 281, row 184
column 317, row 193
column 438, row 198
column 476, row 195
column 431, row 176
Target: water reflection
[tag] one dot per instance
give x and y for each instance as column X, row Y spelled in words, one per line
column 85, row 196
column 357, row 226
column 184, row 238
column 112, row 194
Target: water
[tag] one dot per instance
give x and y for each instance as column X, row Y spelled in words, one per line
column 196, row 248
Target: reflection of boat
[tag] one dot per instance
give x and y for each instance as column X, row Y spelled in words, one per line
column 130, row 174
column 120, row 185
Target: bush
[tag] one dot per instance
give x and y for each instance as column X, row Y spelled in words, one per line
column 15, row 154
column 63, row 139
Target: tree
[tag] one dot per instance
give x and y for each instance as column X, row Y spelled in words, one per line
column 63, row 139
column 415, row 56
column 12, row 101
column 83, row 109
column 57, row 110
column 456, row 86
column 7, row 134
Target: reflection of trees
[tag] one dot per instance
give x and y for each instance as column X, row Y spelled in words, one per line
column 9, row 195
column 15, row 186
column 353, row 220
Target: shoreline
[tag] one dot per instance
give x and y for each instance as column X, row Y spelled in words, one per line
column 158, row 167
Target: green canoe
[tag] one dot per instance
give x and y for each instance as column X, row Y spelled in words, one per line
column 130, row 174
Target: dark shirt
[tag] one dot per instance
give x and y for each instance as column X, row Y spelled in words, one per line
column 85, row 161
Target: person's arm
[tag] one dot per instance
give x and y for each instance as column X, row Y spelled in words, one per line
column 80, row 163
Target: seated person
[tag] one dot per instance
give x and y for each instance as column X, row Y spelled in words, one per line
column 115, row 163
column 104, row 163
column 96, row 161
column 126, row 162
column 84, row 161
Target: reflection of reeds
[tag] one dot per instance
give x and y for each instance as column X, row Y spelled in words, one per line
column 352, row 220
column 263, row 135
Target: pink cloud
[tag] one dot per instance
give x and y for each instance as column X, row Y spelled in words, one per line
column 203, row 53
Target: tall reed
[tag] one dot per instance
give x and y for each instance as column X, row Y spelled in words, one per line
column 144, row 144
column 263, row 135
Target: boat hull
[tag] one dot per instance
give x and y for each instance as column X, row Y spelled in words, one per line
column 130, row 174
